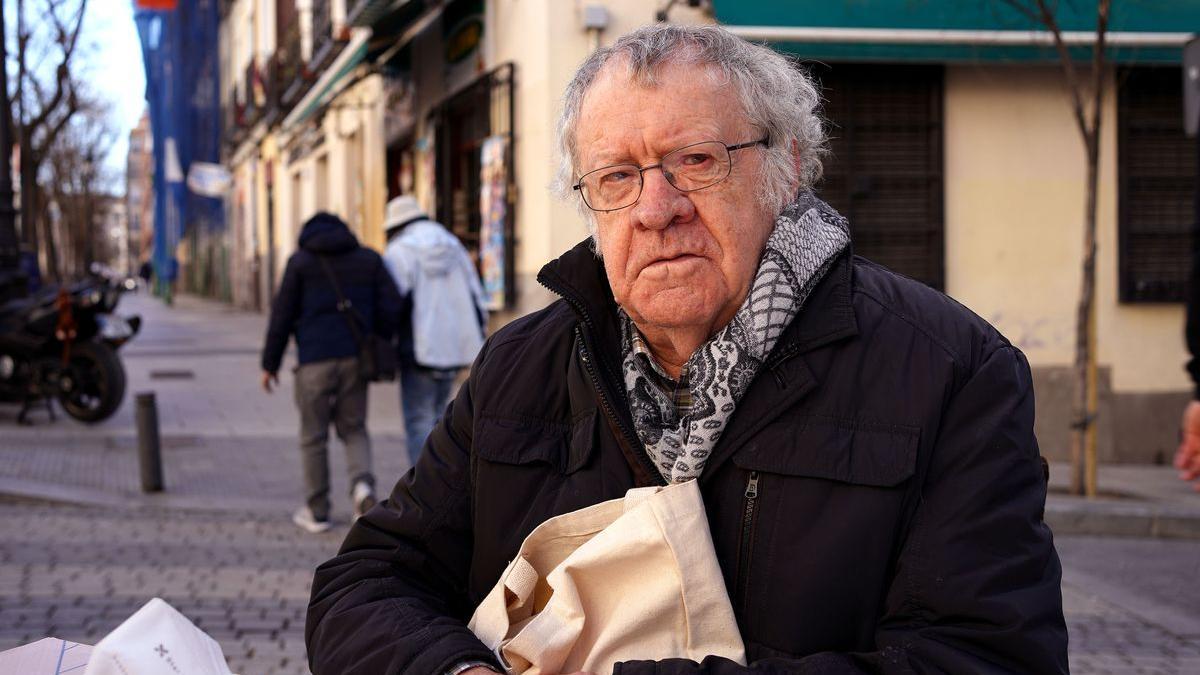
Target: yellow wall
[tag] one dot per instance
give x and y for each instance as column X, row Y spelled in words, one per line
column 1015, row 181
column 546, row 40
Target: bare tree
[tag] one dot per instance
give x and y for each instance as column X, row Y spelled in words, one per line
column 1086, row 88
column 77, row 183
column 46, row 100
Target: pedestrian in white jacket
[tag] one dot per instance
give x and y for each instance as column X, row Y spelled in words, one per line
column 443, row 316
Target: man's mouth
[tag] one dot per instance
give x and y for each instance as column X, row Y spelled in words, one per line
column 660, row 266
column 679, row 257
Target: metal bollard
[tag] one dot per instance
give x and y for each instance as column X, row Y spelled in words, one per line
column 149, row 456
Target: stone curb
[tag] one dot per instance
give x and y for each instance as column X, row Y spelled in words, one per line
column 84, row 496
column 1066, row 515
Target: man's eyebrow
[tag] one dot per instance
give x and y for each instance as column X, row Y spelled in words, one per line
column 608, row 159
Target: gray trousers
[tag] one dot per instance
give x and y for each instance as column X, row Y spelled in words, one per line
column 332, row 391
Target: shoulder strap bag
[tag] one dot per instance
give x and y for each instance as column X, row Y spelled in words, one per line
column 376, row 357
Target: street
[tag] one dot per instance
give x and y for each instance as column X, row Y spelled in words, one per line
column 221, row 549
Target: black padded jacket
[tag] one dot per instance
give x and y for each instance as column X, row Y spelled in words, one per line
column 896, row 527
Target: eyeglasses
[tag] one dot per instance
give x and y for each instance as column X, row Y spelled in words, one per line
column 690, row 168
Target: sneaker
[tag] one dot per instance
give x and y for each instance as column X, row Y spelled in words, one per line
column 364, row 498
column 303, row 517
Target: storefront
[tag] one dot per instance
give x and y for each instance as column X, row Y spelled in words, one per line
column 454, row 152
column 956, row 157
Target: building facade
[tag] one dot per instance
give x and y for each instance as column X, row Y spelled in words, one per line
column 957, row 159
column 139, row 194
column 954, row 154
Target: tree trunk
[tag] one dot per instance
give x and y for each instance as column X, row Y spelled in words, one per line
column 1083, row 429
column 29, row 211
column 41, row 214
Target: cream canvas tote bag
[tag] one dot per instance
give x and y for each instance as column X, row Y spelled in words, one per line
column 627, row 579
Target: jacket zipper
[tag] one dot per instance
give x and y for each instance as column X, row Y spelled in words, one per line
column 743, row 568
column 598, row 383
column 612, row 413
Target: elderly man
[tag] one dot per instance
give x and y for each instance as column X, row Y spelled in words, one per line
column 864, row 445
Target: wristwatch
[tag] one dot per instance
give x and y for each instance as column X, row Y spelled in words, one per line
column 467, row 665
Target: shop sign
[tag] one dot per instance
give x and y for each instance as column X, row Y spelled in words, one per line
column 464, row 39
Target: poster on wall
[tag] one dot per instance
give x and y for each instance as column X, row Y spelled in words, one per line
column 493, row 207
column 425, row 185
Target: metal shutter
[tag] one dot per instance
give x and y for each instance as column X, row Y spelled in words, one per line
column 885, row 168
column 1157, row 178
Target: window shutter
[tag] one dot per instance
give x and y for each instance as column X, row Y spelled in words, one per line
column 1157, row 166
column 884, row 172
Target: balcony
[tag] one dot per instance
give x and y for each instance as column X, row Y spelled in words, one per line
column 234, row 127
column 269, row 68
column 358, row 14
column 293, row 73
column 322, row 31
column 255, row 95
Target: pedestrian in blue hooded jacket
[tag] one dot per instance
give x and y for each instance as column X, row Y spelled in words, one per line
column 329, row 388
column 443, row 314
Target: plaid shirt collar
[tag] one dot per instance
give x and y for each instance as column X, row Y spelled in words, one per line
column 677, row 391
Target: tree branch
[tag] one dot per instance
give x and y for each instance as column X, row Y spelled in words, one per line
column 1098, row 74
column 67, row 36
column 1064, row 55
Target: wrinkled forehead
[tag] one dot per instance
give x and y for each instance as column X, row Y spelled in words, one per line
column 674, row 104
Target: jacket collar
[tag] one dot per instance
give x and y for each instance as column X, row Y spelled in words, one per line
column 828, row 314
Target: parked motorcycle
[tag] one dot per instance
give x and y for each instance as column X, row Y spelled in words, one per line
column 62, row 344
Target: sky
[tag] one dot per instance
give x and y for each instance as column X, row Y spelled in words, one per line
column 117, row 71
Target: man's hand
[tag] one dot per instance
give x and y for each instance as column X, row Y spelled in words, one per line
column 1187, row 459
column 485, row 670
column 268, row 379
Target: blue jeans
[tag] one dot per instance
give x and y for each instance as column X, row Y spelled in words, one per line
column 424, row 393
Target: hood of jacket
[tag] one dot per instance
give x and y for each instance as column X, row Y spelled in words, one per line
column 326, row 234
column 439, row 249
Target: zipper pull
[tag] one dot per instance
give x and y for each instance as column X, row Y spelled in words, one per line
column 752, row 486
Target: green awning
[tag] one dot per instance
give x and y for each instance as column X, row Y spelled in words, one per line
column 331, row 81
column 366, row 13
column 1140, row 31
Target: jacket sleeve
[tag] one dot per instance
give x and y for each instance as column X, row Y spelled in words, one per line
column 977, row 583
column 285, row 311
column 393, row 600
column 387, row 302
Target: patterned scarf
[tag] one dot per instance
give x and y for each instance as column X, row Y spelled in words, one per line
column 679, row 421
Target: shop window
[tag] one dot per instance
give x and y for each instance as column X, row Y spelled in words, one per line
column 1156, row 163
column 474, row 150
column 884, row 172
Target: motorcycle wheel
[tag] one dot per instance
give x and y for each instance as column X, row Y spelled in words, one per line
column 97, row 382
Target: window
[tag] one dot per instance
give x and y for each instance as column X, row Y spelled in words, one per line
column 465, row 121
column 885, row 168
column 1156, row 165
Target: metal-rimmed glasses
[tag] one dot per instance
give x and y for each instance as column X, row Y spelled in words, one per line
column 690, row 168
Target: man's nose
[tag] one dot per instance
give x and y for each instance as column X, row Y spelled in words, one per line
column 661, row 203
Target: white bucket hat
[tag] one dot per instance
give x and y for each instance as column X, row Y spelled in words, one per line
column 401, row 211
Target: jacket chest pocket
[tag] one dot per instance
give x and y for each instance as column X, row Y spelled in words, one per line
column 523, row 471
column 822, row 509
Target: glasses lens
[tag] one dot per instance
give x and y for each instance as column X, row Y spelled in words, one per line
column 697, row 166
column 612, row 187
